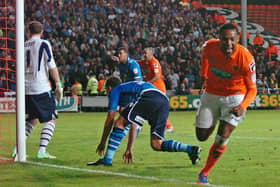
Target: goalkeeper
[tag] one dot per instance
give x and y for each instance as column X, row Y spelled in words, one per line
column 40, row 102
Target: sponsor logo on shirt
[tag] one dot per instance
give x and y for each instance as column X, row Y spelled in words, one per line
column 135, row 70
column 221, row 73
column 211, row 59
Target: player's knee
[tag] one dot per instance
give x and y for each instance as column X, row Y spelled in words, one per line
column 120, row 123
column 33, row 122
column 202, row 134
column 201, row 138
column 156, row 145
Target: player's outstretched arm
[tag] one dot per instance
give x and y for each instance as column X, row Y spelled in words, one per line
column 128, row 154
column 106, row 130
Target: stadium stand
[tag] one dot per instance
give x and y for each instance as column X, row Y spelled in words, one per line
column 265, row 15
column 86, row 33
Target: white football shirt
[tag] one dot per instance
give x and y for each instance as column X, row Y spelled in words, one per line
column 38, row 61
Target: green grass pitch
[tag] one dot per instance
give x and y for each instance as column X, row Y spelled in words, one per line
column 252, row 158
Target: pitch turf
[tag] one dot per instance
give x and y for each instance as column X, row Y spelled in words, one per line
column 252, row 158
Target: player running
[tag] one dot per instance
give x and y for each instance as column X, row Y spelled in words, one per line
column 229, row 79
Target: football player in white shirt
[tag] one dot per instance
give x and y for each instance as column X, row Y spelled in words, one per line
column 40, row 102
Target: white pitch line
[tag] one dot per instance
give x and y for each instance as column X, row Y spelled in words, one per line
column 256, row 138
column 116, row 173
column 247, row 137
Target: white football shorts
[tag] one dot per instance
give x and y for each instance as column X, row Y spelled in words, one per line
column 213, row 108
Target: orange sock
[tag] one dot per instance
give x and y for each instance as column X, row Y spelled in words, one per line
column 214, row 156
column 168, row 125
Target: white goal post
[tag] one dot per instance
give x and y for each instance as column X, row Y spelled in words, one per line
column 20, row 92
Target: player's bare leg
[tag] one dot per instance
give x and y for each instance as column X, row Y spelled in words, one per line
column 203, row 134
column 217, row 149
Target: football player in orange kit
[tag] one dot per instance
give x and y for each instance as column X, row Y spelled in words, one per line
column 229, row 83
column 152, row 72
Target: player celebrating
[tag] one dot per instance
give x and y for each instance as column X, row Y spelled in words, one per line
column 40, row 102
column 229, row 79
column 153, row 74
column 151, row 105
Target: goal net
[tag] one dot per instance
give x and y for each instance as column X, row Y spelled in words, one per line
column 9, row 74
column 7, row 78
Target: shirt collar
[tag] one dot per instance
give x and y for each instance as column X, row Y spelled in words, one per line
column 35, row 37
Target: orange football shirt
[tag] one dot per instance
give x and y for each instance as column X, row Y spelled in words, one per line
column 258, row 40
column 272, row 50
column 150, row 69
column 226, row 76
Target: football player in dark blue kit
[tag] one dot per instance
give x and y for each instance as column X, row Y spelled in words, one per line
column 129, row 71
column 151, row 105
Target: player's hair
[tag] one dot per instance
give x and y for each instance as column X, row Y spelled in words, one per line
column 112, row 82
column 151, row 49
column 35, row 27
column 123, row 48
column 122, row 45
column 228, row 26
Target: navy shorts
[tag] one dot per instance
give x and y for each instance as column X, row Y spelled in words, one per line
column 41, row 106
column 152, row 106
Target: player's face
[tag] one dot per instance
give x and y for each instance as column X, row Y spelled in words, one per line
column 229, row 40
column 147, row 54
column 122, row 56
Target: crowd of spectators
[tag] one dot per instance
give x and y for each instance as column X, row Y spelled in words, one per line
column 85, row 34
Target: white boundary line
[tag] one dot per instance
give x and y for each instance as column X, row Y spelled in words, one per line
column 256, row 138
column 115, row 173
column 246, row 137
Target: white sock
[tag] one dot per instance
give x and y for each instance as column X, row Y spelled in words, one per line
column 46, row 136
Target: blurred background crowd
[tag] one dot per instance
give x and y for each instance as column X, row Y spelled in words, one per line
column 85, row 34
